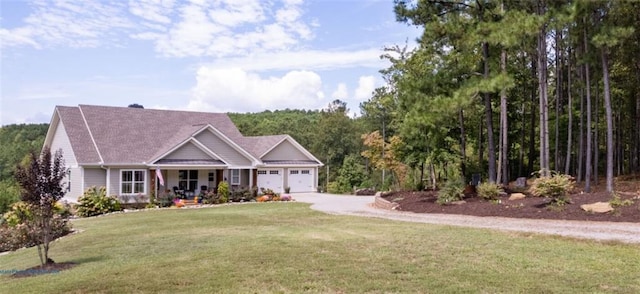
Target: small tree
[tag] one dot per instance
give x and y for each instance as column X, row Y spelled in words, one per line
column 41, row 187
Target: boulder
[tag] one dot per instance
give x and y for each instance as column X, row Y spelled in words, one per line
column 521, row 182
column 516, row 196
column 598, row 207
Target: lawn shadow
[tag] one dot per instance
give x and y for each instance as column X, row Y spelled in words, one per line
column 53, row 267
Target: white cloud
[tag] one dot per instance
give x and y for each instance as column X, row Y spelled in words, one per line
column 304, row 59
column 231, row 28
column 236, row 90
column 341, row 92
column 73, row 24
column 366, row 85
column 177, row 29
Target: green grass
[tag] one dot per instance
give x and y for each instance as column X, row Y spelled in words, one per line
column 288, row 248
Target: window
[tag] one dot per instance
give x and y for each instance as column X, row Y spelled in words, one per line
column 306, row 172
column 133, row 181
column 293, row 172
column 273, row 172
column 235, row 177
column 188, row 180
column 262, row 172
column 211, row 177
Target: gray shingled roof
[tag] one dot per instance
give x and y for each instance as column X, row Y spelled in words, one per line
column 81, row 143
column 258, row 145
column 125, row 135
column 135, row 135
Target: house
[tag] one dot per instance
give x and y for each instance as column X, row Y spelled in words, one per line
column 122, row 148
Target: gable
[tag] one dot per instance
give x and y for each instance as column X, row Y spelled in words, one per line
column 285, row 151
column 61, row 141
column 226, row 152
column 189, row 151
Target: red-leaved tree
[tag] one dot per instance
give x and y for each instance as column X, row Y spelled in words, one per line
column 41, row 182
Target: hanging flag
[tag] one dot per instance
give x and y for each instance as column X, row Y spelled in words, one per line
column 160, row 178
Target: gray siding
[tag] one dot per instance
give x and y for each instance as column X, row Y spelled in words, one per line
column 61, row 141
column 95, row 177
column 285, row 151
column 114, row 185
column 188, row 151
column 75, row 184
column 222, row 149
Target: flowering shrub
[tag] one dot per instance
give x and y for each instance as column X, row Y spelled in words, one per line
column 16, row 234
column 285, row 198
column 96, row 202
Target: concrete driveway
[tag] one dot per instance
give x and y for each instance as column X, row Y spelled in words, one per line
column 362, row 206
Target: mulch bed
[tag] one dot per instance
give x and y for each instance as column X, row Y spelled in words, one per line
column 529, row 207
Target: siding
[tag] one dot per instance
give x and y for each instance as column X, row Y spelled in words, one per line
column 188, row 151
column 285, row 151
column 222, row 149
column 114, row 185
column 95, row 177
column 75, row 185
column 61, row 141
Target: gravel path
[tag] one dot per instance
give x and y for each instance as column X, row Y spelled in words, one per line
column 362, row 206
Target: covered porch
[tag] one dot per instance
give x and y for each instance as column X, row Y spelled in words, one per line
column 190, row 181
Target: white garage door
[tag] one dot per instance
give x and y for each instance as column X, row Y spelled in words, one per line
column 301, row 180
column 270, row 179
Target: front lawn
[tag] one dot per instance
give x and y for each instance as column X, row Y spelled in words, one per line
column 288, row 248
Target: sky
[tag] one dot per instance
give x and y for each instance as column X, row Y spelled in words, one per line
column 200, row 55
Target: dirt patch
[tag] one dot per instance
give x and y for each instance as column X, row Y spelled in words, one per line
column 49, row 268
column 529, row 207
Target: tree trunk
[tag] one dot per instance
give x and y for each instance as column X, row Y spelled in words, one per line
column 607, row 108
column 580, row 157
column 491, row 148
column 567, row 163
column 543, row 99
column 463, row 145
column 588, row 156
column 532, row 125
column 558, row 70
column 596, row 143
column 504, row 127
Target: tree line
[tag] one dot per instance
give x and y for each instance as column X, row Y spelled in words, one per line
column 508, row 88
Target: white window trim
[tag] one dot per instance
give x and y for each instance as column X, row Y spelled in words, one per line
column 231, row 181
column 133, row 181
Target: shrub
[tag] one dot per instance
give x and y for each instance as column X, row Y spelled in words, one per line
column 15, row 235
column 335, row 188
column 96, row 202
column 452, row 191
column 223, row 192
column 616, row 201
column 489, row 191
column 556, row 187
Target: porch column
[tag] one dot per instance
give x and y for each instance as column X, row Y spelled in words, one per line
column 250, row 178
column 108, row 181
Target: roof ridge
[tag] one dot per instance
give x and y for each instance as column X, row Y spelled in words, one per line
column 84, row 119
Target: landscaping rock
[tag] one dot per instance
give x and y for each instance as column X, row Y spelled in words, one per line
column 516, row 196
column 459, row 202
column 365, row 192
column 521, row 182
column 598, row 207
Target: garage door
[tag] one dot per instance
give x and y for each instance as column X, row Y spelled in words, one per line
column 270, row 179
column 301, row 180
